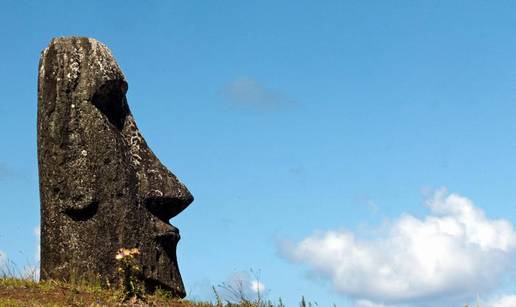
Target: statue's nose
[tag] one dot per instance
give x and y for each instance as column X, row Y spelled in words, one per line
column 162, row 193
column 166, row 196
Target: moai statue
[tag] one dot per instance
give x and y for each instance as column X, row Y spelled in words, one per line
column 101, row 186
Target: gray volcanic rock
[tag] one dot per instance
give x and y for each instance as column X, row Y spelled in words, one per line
column 101, row 187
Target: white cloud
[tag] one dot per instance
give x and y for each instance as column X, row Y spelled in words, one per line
column 30, row 272
column 248, row 91
column 501, row 301
column 3, row 258
column 455, row 251
column 37, row 234
column 257, row 287
column 366, row 303
column 242, row 285
column 3, row 263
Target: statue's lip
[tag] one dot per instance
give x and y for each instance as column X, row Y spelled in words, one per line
column 170, row 233
column 163, row 229
column 168, row 236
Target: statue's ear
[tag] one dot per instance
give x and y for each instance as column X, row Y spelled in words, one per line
column 82, row 206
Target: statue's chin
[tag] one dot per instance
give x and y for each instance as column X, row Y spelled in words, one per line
column 167, row 242
column 160, row 269
column 166, row 232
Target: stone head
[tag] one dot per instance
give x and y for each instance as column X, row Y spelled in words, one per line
column 101, row 187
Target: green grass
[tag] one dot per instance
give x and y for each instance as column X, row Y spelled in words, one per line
column 88, row 291
column 27, row 292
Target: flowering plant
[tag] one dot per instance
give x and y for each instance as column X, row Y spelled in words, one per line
column 129, row 271
column 126, row 253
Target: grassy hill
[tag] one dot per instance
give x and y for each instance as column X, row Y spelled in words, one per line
column 26, row 292
column 16, row 292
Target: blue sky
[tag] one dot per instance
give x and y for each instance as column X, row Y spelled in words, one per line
column 298, row 124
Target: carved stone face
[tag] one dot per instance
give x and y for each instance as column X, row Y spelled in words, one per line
column 101, row 186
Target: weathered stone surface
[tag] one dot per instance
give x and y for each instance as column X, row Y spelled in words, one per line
column 101, row 187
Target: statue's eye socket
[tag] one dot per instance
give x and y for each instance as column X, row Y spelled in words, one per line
column 110, row 100
column 83, row 213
